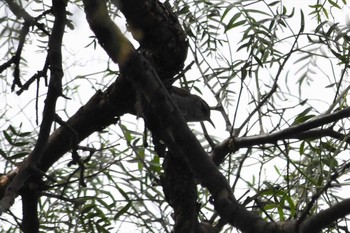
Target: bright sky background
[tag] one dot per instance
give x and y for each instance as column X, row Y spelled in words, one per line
column 84, row 61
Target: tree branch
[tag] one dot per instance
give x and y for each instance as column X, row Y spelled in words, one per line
column 184, row 145
column 161, row 38
column 316, row 223
column 30, row 223
column 181, row 193
column 54, row 91
column 301, row 131
column 28, row 21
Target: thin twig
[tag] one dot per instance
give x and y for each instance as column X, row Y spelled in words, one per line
column 274, row 86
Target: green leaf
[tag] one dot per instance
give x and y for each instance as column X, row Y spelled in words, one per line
column 122, row 211
column 339, row 56
column 302, row 117
column 127, row 134
column 334, row 4
column 87, row 208
column 228, row 9
column 19, row 155
column 302, row 148
column 188, row 31
column 7, row 137
column 302, row 21
column 155, row 164
column 303, row 102
column 325, row 12
column 258, row 60
column 280, row 212
column 316, row 6
column 183, row 10
column 274, row 3
column 124, row 194
column 3, row 154
column 320, row 26
column 330, row 161
column 328, row 146
column 331, row 29
column 232, row 21
column 103, row 203
column 20, row 144
column 239, row 23
column 246, row 45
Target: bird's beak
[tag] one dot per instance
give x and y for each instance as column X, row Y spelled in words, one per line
column 211, row 122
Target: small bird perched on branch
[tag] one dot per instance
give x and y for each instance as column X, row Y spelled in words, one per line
column 192, row 107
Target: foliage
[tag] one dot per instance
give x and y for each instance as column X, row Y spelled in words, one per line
column 262, row 66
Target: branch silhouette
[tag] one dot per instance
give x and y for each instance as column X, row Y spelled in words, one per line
column 301, row 131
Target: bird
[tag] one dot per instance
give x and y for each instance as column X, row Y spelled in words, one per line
column 192, row 107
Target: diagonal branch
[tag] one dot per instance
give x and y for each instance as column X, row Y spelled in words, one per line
column 326, row 217
column 304, row 130
column 176, row 134
column 28, row 21
column 183, row 143
column 54, row 91
column 157, row 29
column 100, row 111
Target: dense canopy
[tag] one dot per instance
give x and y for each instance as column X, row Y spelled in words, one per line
column 174, row 116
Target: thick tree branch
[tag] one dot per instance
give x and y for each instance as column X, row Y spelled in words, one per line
column 181, row 193
column 102, row 25
column 54, row 91
column 294, row 130
column 161, row 38
column 184, row 145
column 19, row 11
column 30, row 222
column 316, row 223
column 304, row 130
column 178, row 137
column 98, row 113
column 115, row 101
